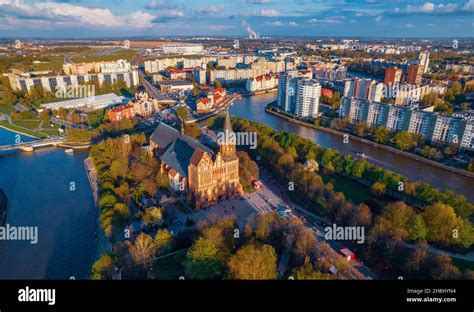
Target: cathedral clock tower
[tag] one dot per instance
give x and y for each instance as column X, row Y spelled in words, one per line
column 227, row 147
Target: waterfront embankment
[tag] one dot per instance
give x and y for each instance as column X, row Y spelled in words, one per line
column 376, row 145
column 103, row 244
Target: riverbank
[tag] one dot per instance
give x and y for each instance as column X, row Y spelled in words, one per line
column 103, row 245
column 376, row 145
column 9, row 127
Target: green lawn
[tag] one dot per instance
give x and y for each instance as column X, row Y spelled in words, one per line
column 22, row 130
column 51, row 131
column 170, row 267
column 91, row 57
column 30, row 124
column 352, row 190
column 6, row 109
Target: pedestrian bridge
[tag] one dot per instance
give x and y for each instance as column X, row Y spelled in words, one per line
column 30, row 146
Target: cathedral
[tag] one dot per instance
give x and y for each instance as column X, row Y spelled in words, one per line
column 203, row 174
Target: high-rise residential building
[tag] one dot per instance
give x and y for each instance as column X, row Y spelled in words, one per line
column 414, row 74
column 307, row 97
column 467, row 140
column 286, row 91
column 424, row 61
column 55, row 83
column 393, row 75
column 422, row 123
column 354, row 110
column 365, row 89
column 377, row 114
column 398, row 118
column 298, row 94
column 436, row 128
column 448, row 129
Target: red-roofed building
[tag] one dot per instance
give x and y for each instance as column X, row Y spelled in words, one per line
column 175, row 74
column 261, row 83
column 214, row 97
column 121, row 112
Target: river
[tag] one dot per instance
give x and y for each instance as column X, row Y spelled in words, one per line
column 253, row 108
column 37, row 186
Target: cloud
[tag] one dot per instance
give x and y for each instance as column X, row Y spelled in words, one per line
column 160, row 5
column 409, row 25
column 379, row 19
column 213, row 9
column 269, row 12
column 69, row 14
column 442, row 8
column 324, row 21
column 278, row 24
column 469, row 6
column 429, row 7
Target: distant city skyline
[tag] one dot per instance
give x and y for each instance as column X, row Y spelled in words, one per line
column 339, row 18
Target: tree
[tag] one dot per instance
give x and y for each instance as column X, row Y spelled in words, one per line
column 416, row 227
column 253, row 263
column 143, row 249
column 182, row 112
column 193, row 130
column 202, row 260
column 122, row 212
column 307, row 272
column 162, row 239
column 396, row 216
column 381, row 135
column 210, row 122
column 440, row 221
column 103, row 267
column 465, row 233
column 362, row 216
column 152, row 216
column 217, row 84
column 118, row 169
column 404, row 140
column 378, row 189
column 360, row 129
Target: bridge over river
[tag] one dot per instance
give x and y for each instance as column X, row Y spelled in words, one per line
column 30, row 146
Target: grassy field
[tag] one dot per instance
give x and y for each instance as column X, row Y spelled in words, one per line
column 21, row 130
column 30, row 124
column 352, row 190
column 6, row 109
column 28, row 63
column 91, row 56
column 170, row 267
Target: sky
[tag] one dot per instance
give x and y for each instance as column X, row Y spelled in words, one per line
column 338, row 18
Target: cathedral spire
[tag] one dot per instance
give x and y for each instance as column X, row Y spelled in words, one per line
column 227, row 124
column 227, row 147
column 182, row 126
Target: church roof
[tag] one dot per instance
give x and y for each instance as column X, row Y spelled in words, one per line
column 180, row 149
column 163, row 135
